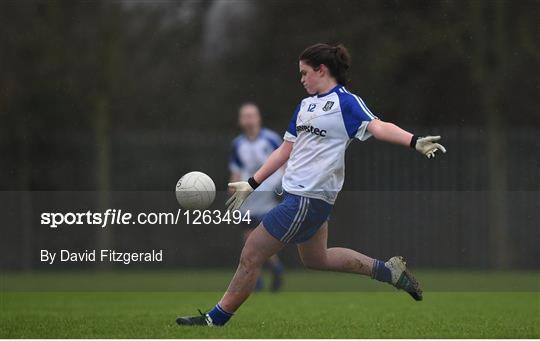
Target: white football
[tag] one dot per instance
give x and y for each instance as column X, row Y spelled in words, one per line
column 195, row 191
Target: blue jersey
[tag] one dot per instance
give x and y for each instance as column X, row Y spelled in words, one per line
column 321, row 128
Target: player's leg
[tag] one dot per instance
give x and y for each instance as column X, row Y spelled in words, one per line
column 245, row 235
column 258, row 248
column 264, row 203
column 315, row 254
column 276, row 267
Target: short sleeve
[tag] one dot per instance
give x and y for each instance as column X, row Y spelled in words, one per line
column 290, row 134
column 235, row 164
column 356, row 115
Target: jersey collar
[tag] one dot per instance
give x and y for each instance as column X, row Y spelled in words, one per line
column 256, row 137
column 329, row 92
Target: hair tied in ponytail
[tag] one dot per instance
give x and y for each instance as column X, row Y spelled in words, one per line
column 335, row 57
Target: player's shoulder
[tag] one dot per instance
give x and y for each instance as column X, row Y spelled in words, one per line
column 302, row 104
column 351, row 103
column 346, row 97
column 305, row 100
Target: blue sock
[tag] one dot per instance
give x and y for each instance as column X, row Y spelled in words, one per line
column 219, row 316
column 380, row 272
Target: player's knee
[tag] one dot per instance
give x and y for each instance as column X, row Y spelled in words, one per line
column 249, row 261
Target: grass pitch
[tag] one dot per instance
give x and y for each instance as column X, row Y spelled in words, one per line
column 61, row 311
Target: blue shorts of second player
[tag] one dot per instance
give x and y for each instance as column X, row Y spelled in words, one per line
column 296, row 219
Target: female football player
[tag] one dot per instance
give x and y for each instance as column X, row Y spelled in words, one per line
column 314, row 149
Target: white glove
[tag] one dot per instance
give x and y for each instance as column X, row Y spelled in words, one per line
column 242, row 190
column 428, row 147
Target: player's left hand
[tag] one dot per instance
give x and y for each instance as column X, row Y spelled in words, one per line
column 242, row 190
column 428, row 147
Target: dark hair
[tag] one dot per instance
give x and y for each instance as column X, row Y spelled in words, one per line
column 336, row 58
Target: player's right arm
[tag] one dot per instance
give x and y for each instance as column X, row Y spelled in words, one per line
column 389, row 132
column 361, row 123
column 276, row 160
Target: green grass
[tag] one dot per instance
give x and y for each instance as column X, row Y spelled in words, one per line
column 332, row 313
column 217, row 280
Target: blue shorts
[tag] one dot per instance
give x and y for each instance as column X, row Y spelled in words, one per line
column 297, row 218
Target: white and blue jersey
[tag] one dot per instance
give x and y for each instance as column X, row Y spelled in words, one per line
column 321, row 128
column 247, row 156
